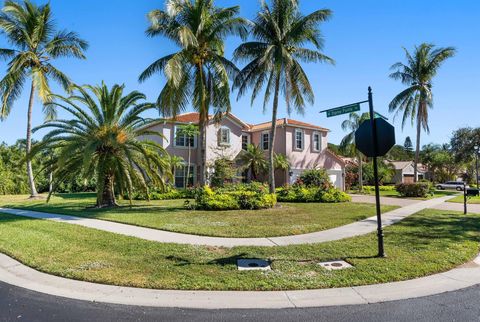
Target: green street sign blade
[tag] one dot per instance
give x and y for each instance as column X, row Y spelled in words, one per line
column 343, row 110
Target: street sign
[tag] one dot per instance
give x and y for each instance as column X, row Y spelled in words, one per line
column 385, row 137
column 343, row 110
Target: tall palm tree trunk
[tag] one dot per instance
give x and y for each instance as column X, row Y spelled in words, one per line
column 188, row 167
column 31, row 180
column 273, row 132
column 203, row 122
column 417, row 150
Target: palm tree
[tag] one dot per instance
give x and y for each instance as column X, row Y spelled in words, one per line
column 273, row 59
column 253, row 158
column 198, row 73
column 417, row 74
column 30, row 29
column 282, row 163
column 102, row 140
column 190, row 131
column 352, row 124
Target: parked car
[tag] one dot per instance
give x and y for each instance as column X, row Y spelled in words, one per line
column 457, row 185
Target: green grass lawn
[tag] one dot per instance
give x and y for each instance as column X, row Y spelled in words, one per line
column 290, row 219
column 459, row 199
column 428, row 242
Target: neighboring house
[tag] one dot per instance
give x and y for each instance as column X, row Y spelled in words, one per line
column 404, row 171
column 305, row 145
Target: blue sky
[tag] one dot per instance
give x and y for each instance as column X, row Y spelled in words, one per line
column 364, row 37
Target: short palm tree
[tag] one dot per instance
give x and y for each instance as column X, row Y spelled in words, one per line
column 190, row 131
column 102, row 140
column 198, row 73
column 273, row 59
column 253, row 158
column 282, row 163
column 30, row 29
column 417, row 74
column 351, row 125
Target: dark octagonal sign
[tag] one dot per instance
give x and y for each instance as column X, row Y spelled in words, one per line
column 385, row 136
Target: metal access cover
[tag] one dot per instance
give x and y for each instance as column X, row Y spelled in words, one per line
column 335, row 265
column 253, row 264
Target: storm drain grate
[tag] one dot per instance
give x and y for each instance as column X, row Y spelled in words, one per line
column 335, row 265
column 253, row 264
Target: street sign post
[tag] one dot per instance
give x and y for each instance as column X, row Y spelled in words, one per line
column 373, row 138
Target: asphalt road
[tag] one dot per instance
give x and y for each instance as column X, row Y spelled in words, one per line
column 18, row 304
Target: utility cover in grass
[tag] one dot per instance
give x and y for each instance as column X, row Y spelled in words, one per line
column 253, row 264
column 335, row 265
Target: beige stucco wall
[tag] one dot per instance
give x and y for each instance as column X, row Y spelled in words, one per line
column 214, row 150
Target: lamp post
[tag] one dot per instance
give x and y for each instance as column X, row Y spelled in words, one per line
column 476, row 147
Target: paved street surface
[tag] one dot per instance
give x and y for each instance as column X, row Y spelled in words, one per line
column 17, row 304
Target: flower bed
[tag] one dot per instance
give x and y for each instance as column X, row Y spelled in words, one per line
column 233, row 197
column 301, row 193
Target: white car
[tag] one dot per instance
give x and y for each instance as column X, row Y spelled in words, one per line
column 453, row 185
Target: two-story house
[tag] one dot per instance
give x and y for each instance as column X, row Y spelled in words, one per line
column 305, row 145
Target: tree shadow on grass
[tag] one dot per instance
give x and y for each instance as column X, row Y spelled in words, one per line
column 445, row 227
column 224, row 261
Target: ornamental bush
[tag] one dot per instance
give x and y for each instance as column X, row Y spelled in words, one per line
column 315, row 178
column 157, row 194
column 416, row 190
column 368, row 189
column 233, row 197
column 301, row 193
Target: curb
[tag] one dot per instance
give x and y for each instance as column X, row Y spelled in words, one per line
column 15, row 273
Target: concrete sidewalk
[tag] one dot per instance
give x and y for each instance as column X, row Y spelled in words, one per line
column 451, row 206
column 354, row 229
column 391, row 201
column 15, row 273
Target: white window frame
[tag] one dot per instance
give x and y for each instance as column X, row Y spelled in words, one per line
column 302, row 140
column 314, row 148
column 220, row 136
column 193, row 173
column 263, row 140
column 248, row 140
column 175, row 128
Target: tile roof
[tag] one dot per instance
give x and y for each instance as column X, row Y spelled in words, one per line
column 193, row 117
column 285, row 121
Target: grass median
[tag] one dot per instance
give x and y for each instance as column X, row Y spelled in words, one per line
column 429, row 242
column 289, row 219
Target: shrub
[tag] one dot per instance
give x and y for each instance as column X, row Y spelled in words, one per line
column 234, row 197
column 300, row 193
column 419, row 189
column 368, row 189
column 315, row 178
column 157, row 194
column 224, row 172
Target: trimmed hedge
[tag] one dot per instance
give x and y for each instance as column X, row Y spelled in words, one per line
column 416, row 190
column 300, row 193
column 168, row 195
column 233, row 197
column 381, row 188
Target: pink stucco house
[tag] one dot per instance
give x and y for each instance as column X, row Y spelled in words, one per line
column 305, row 145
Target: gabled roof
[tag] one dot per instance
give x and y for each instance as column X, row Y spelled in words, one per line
column 336, row 156
column 400, row 165
column 193, row 117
